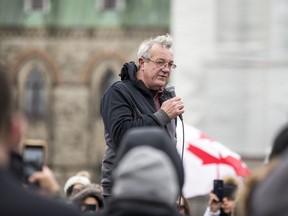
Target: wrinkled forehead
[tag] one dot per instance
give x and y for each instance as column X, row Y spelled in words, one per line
column 159, row 51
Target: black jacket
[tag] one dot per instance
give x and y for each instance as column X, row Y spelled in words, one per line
column 128, row 104
column 15, row 201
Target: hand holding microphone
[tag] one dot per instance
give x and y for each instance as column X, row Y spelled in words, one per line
column 173, row 107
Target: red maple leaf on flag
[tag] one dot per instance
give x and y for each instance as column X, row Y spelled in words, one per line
column 207, row 158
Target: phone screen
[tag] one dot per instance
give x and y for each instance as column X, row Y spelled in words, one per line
column 218, row 189
column 33, row 158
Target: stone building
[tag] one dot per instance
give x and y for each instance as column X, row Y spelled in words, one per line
column 232, row 72
column 61, row 56
column 234, row 56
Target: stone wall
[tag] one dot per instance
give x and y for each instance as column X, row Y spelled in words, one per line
column 74, row 61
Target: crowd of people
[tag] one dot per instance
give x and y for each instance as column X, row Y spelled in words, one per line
column 142, row 172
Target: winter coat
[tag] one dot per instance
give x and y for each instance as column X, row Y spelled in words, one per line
column 128, row 104
column 16, row 201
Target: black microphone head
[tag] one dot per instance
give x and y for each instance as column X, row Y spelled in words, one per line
column 171, row 89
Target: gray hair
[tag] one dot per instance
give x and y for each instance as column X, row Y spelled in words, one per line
column 165, row 40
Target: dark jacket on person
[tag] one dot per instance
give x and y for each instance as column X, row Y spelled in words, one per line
column 128, row 104
column 17, row 201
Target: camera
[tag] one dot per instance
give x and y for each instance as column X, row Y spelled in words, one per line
column 34, row 154
column 218, row 188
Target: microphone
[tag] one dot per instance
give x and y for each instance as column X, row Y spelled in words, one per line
column 171, row 89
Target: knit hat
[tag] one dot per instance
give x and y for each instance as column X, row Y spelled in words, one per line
column 91, row 190
column 77, row 179
column 148, row 167
column 146, row 173
column 154, row 137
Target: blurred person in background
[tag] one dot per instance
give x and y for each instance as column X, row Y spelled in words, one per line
column 14, row 199
column 89, row 199
column 140, row 99
column 226, row 207
column 75, row 183
column 264, row 192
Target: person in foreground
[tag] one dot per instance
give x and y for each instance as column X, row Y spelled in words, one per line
column 140, row 99
column 265, row 192
column 14, row 199
column 148, row 175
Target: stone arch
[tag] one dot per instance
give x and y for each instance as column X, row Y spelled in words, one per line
column 92, row 76
column 19, row 72
column 116, row 57
column 35, row 54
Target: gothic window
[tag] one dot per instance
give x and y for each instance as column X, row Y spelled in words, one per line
column 37, row 5
column 112, row 4
column 109, row 4
column 34, row 105
column 107, row 80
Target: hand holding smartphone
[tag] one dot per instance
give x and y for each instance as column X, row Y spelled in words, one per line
column 34, row 154
column 218, row 188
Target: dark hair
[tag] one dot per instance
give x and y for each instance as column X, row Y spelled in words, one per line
column 280, row 143
column 229, row 191
column 5, row 100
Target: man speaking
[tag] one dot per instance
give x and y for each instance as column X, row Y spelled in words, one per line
column 140, row 100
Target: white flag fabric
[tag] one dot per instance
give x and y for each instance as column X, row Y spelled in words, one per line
column 204, row 160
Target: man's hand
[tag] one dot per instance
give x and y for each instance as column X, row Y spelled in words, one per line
column 214, row 203
column 173, row 107
column 46, row 181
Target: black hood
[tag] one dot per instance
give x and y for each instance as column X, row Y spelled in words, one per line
column 128, row 71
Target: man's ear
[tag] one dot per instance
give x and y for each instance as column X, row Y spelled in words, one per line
column 16, row 133
column 141, row 62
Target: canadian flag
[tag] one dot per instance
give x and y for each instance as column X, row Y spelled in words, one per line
column 204, row 160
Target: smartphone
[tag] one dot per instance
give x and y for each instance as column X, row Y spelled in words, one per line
column 218, row 188
column 33, row 157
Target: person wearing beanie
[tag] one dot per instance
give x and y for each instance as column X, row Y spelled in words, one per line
column 89, row 198
column 76, row 183
column 148, row 175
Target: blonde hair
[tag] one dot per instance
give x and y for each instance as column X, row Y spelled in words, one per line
column 249, row 185
column 231, row 180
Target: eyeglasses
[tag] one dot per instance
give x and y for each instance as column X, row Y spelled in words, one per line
column 160, row 63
